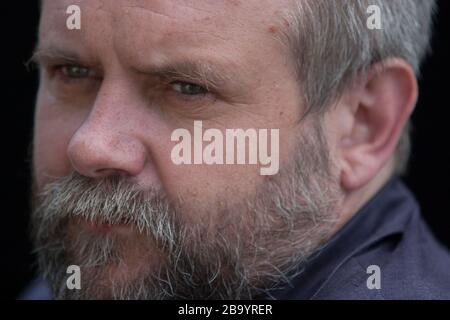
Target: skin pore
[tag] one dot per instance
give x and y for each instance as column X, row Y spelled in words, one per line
column 112, row 93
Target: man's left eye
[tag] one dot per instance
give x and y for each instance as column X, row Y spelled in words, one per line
column 187, row 88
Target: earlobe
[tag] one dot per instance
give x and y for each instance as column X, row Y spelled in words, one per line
column 382, row 104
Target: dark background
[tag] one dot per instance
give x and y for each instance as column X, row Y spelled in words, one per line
column 429, row 174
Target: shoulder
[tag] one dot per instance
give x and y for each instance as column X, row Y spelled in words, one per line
column 410, row 265
column 36, row 290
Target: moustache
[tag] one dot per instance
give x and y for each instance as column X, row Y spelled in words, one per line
column 108, row 201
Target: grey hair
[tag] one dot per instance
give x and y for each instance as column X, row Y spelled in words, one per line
column 332, row 45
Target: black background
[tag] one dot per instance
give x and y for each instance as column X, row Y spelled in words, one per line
column 429, row 174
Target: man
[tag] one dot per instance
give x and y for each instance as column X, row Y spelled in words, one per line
column 334, row 87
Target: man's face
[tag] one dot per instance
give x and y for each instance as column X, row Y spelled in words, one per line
column 110, row 96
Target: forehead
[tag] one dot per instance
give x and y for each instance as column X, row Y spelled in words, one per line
column 138, row 29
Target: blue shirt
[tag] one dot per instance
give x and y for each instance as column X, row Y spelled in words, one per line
column 389, row 233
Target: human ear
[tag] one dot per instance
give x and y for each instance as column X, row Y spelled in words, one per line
column 378, row 108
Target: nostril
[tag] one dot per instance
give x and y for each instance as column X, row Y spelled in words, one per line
column 111, row 172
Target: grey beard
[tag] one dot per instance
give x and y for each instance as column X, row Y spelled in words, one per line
column 257, row 244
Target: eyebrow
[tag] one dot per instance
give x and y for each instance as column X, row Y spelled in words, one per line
column 42, row 55
column 211, row 74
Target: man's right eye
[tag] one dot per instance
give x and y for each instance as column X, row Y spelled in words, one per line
column 73, row 79
column 75, row 71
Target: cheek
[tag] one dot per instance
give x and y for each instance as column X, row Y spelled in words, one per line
column 204, row 191
column 52, row 133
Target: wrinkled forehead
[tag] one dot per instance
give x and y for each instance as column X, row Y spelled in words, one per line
column 134, row 27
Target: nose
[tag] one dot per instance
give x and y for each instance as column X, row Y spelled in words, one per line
column 105, row 143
